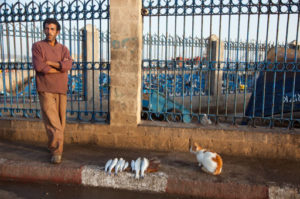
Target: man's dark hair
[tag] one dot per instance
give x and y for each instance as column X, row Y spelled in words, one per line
column 51, row 21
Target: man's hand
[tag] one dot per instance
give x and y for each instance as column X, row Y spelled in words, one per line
column 55, row 65
column 53, row 70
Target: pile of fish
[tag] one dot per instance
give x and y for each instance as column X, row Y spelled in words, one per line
column 116, row 164
column 138, row 166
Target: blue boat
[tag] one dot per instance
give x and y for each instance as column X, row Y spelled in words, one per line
column 158, row 103
column 283, row 97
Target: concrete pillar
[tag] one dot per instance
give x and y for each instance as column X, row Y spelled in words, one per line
column 90, row 54
column 16, row 80
column 126, row 59
column 213, row 55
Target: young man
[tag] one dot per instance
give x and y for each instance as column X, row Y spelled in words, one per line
column 52, row 61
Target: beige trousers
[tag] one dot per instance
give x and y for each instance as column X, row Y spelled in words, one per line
column 53, row 108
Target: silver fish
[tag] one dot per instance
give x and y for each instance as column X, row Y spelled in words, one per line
column 122, row 165
column 125, row 165
column 137, row 167
column 118, row 165
column 112, row 165
column 107, row 165
column 132, row 165
column 144, row 166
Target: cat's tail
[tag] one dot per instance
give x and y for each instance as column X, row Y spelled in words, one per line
column 192, row 151
column 192, row 145
column 219, row 162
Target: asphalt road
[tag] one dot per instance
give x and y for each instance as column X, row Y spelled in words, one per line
column 18, row 190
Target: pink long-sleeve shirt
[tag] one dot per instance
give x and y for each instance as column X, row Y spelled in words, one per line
column 51, row 82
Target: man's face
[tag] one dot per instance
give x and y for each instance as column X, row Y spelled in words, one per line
column 50, row 32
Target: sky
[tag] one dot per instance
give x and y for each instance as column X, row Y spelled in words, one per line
column 194, row 27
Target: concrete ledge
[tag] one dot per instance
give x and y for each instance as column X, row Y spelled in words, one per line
column 92, row 175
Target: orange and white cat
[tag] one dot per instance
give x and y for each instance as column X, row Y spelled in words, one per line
column 210, row 162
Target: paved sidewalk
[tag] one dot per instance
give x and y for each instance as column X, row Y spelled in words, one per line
column 241, row 177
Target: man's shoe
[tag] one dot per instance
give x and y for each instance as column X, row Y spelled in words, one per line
column 56, row 159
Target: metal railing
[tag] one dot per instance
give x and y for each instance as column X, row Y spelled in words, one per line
column 221, row 61
column 85, row 31
column 195, row 45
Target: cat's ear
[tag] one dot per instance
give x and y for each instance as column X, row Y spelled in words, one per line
column 197, row 147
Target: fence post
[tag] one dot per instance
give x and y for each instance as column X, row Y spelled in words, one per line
column 90, row 54
column 213, row 56
column 126, row 59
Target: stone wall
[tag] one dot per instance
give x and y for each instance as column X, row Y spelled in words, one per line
column 228, row 140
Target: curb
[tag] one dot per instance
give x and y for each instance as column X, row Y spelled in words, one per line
column 39, row 172
column 95, row 176
column 216, row 189
column 91, row 175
